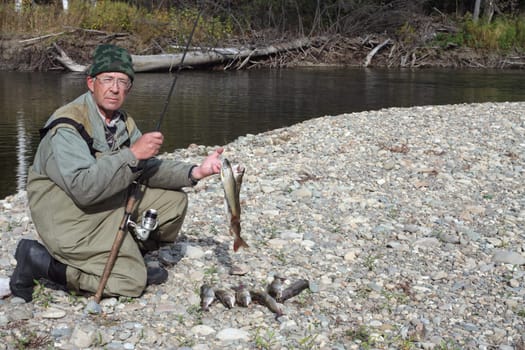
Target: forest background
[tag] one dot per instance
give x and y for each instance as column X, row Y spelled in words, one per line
column 396, row 33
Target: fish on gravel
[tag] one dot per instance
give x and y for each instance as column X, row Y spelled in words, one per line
column 276, row 287
column 207, row 294
column 294, row 289
column 242, row 296
column 226, row 297
column 263, row 298
column 231, row 178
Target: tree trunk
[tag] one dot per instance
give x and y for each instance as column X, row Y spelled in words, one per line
column 374, row 51
column 490, row 7
column 475, row 16
column 163, row 62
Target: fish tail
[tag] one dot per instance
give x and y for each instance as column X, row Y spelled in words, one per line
column 239, row 242
column 235, row 226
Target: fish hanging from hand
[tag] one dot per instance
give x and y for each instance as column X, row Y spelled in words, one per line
column 231, row 178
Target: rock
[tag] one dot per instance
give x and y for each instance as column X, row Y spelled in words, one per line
column 21, row 312
column 428, row 242
column 240, row 269
column 508, row 257
column 192, row 252
column 83, row 335
column 53, row 313
column 301, row 194
column 93, row 308
column 231, row 334
column 4, row 287
column 277, row 243
column 440, row 275
column 291, row 235
column 202, row 330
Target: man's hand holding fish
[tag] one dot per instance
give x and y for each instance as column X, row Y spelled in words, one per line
column 211, row 165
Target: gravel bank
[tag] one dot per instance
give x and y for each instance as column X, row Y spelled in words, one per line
column 409, row 224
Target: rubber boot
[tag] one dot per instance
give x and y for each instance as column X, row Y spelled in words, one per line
column 156, row 275
column 33, row 263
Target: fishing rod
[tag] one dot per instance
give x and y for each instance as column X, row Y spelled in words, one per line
column 172, row 87
column 135, row 186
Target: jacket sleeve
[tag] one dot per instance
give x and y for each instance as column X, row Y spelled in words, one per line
column 167, row 174
column 88, row 180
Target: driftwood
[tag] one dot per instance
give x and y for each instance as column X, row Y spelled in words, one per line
column 67, row 61
column 374, row 51
column 69, row 30
column 163, row 62
column 39, row 38
column 96, row 32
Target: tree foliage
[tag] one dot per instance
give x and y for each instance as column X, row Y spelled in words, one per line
column 345, row 17
column 307, row 17
column 411, row 22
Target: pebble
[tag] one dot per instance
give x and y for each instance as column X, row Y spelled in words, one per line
column 239, row 269
column 192, row 252
column 407, row 222
column 230, row 334
column 509, row 257
column 53, row 313
column 4, row 287
column 202, row 330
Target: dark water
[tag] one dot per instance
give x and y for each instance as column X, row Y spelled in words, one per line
column 214, row 108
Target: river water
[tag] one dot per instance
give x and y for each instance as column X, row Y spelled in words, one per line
column 215, row 107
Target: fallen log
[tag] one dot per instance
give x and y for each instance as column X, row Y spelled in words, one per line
column 374, row 51
column 163, row 62
column 67, row 61
column 39, row 38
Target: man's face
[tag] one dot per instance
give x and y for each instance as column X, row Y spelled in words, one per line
column 109, row 90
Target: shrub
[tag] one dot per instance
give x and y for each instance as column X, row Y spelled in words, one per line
column 115, row 17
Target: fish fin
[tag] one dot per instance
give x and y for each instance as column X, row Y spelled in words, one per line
column 239, row 242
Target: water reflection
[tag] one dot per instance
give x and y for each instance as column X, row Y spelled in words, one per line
column 215, row 107
column 22, row 154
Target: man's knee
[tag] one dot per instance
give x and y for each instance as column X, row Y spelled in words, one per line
column 179, row 204
column 129, row 282
column 172, row 217
column 171, row 207
column 166, row 202
column 129, row 285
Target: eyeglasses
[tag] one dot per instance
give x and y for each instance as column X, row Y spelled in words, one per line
column 110, row 81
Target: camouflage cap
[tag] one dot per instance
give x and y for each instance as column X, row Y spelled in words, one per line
column 111, row 58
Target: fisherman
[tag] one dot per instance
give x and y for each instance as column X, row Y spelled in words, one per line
column 89, row 155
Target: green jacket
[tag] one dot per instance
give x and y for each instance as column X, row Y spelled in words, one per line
column 66, row 181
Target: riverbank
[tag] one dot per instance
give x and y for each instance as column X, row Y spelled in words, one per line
column 41, row 53
column 408, row 223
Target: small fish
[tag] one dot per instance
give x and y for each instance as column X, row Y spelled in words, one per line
column 263, row 298
column 276, row 287
column 242, row 296
column 226, row 297
column 231, row 178
column 294, row 289
column 207, row 296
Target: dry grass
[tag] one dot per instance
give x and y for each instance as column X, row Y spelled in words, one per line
column 111, row 17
